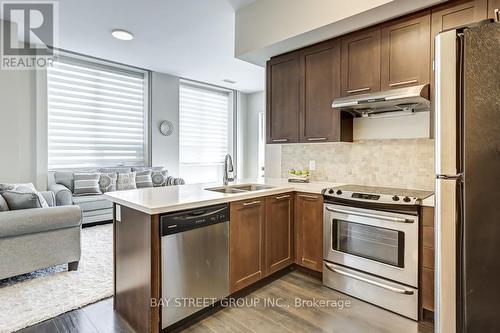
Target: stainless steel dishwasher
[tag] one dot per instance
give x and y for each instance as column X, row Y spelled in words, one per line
column 195, row 260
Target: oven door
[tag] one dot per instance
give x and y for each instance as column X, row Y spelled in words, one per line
column 376, row 242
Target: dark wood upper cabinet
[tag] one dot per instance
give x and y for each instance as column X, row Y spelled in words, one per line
column 247, row 242
column 451, row 15
column 279, row 232
column 309, row 231
column 319, row 86
column 458, row 13
column 405, row 52
column 283, row 85
column 360, row 62
column 493, row 5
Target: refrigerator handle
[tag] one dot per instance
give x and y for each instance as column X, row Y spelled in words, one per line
column 447, row 104
column 459, row 177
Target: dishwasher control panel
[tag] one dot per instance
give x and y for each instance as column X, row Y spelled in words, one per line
column 185, row 220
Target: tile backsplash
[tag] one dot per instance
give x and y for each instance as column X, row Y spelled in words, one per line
column 405, row 163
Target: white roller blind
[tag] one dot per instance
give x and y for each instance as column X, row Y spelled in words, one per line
column 96, row 115
column 204, row 132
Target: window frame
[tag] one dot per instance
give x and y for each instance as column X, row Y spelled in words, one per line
column 232, row 116
column 93, row 62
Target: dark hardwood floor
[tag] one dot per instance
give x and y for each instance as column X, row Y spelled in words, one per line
column 285, row 316
column 94, row 318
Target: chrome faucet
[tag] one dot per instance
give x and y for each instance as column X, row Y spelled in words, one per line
column 228, row 167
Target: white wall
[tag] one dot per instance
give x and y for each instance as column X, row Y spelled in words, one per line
column 165, row 106
column 254, row 105
column 268, row 28
column 17, row 126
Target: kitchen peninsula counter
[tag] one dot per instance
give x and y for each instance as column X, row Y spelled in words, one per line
column 161, row 200
column 137, row 238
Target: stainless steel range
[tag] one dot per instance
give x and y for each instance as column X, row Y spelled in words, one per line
column 371, row 245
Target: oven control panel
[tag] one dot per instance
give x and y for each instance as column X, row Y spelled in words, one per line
column 365, row 196
column 375, row 194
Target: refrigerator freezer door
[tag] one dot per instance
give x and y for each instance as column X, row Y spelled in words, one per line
column 446, row 108
column 481, row 160
column 446, row 254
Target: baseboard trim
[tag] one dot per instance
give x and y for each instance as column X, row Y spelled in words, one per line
column 93, row 224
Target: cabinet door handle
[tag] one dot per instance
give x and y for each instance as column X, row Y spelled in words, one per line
column 316, row 139
column 358, row 90
column 402, row 83
column 253, row 203
column 305, row 196
column 497, row 15
column 280, row 140
column 282, row 197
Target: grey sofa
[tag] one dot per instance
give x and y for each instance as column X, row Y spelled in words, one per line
column 95, row 208
column 32, row 239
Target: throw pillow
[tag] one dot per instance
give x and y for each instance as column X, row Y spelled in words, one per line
column 160, row 168
column 174, row 181
column 65, row 178
column 159, row 178
column 86, row 183
column 143, row 179
column 126, row 181
column 25, row 188
column 21, row 200
column 107, row 182
column 116, row 170
column 3, row 204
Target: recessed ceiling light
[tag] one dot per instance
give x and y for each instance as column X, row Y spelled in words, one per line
column 122, row 34
column 229, row 81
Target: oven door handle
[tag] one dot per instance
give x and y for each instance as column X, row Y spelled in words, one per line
column 336, row 269
column 375, row 216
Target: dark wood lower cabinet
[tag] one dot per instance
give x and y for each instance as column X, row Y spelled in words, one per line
column 309, row 230
column 247, row 243
column 279, row 232
column 426, row 266
column 137, row 243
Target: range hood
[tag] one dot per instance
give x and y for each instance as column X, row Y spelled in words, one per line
column 401, row 101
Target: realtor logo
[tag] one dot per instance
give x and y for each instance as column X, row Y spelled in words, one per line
column 28, row 34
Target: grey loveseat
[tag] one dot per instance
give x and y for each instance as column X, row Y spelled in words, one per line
column 95, row 208
column 32, row 239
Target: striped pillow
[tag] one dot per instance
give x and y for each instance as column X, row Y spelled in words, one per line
column 86, row 183
column 143, row 179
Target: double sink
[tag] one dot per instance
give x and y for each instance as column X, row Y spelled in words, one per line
column 234, row 189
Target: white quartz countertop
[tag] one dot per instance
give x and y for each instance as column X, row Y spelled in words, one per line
column 166, row 199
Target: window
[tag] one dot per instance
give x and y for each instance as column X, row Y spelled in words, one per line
column 97, row 115
column 205, row 133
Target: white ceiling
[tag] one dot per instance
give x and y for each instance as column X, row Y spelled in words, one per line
column 237, row 4
column 192, row 39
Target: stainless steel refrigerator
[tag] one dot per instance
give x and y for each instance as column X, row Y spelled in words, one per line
column 467, row 99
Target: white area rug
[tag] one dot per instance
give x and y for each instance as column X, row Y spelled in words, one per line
column 35, row 297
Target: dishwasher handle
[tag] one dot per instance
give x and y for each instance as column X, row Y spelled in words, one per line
column 173, row 223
